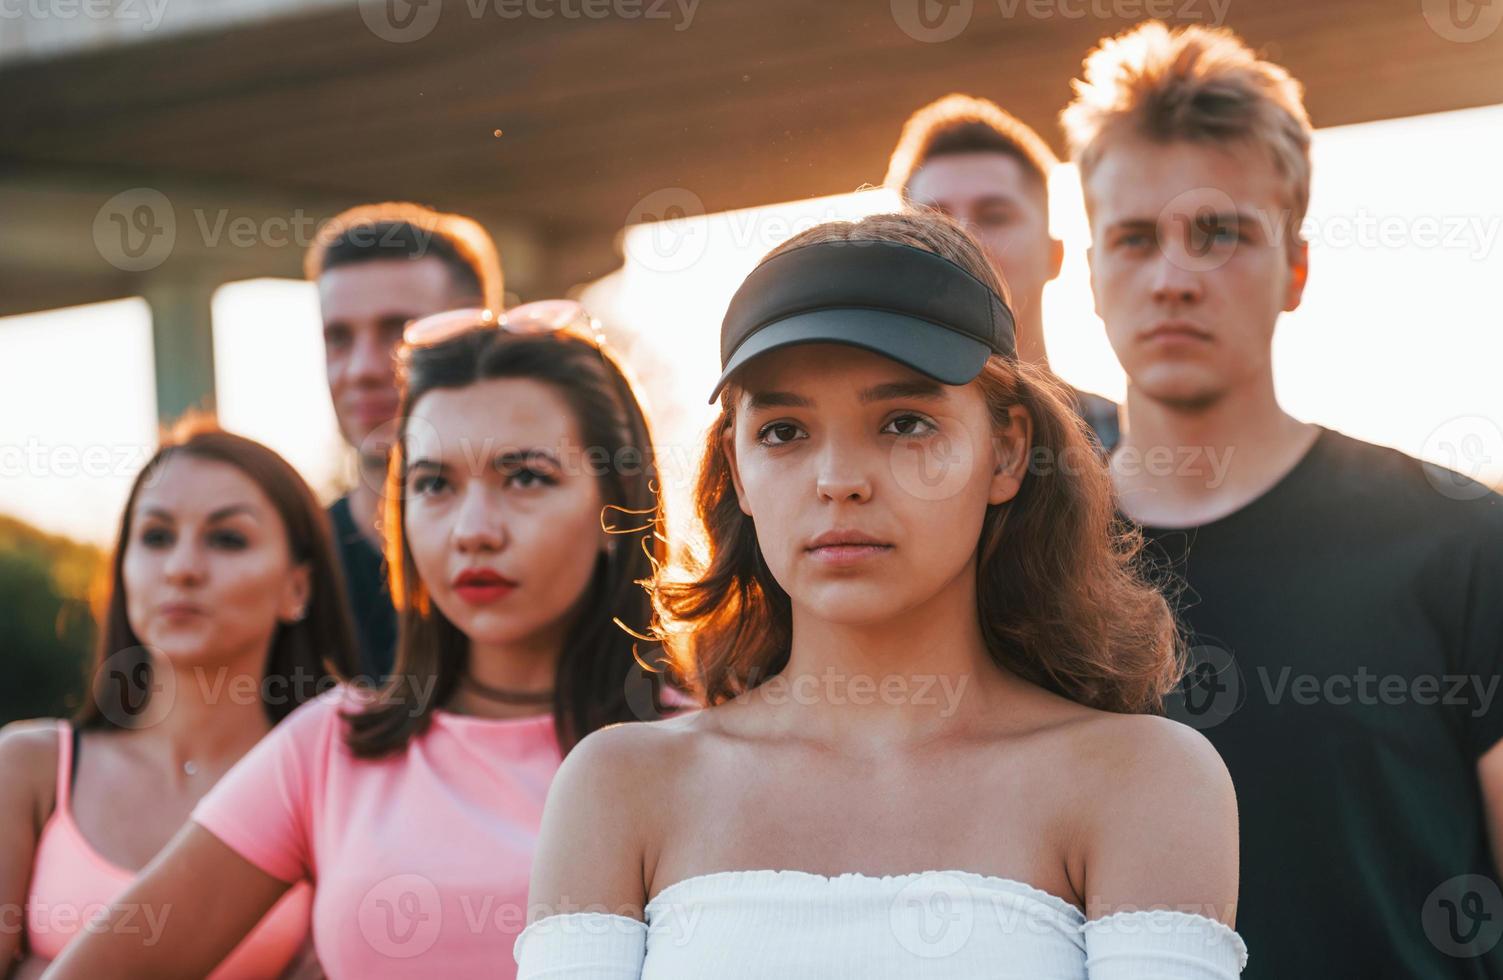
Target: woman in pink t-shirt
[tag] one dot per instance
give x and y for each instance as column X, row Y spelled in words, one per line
column 224, row 606
column 415, row 809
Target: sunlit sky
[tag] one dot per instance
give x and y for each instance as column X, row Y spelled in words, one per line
column 1398, row 340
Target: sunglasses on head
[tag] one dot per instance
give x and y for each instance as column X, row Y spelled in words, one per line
column 545, row 316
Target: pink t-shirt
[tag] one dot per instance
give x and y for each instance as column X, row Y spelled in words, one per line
column 420, row 860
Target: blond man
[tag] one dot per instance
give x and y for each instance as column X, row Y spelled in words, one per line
column 1345, row 601
column 980, row 165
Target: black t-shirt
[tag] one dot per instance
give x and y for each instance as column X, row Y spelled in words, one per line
column 1348, row 632
column 1101, row 415
column 369, row 595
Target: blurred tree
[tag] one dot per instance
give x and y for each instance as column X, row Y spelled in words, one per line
column 47, row 628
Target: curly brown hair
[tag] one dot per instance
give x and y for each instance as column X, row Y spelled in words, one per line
column 1062, row 605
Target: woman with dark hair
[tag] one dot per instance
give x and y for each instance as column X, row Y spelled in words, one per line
column 225, row 611
column 415, row 808
column 930, row 666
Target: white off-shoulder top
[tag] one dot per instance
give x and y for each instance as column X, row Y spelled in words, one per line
column 931, row 925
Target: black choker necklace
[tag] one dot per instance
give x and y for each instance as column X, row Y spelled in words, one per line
column 503, row 696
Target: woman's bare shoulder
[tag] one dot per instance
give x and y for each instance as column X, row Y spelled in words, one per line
column 1152, row 790
column 643, row 759
column 29, row 758
column 608, row 809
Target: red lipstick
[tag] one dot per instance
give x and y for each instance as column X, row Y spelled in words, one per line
column 479, row 586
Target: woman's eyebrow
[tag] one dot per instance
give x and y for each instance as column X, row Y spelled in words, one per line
column 926, row 390
column 234, row 510
column 221, row 514
column 513, row 458
column 777, row 399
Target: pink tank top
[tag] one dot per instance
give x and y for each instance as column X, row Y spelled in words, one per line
column 70, row 882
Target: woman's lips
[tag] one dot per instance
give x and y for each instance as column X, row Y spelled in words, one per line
column 479, row 595
column 481, row 586
column 848, row 554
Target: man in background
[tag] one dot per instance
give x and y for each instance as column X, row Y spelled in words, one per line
column 1345, row 601
column 377, row 267
column 981, row 166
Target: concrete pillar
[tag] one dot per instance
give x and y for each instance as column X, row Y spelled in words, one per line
column 183, row 344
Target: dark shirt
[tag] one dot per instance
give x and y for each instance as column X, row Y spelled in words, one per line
column 1101, row 415
column 1347, row 630
column 366, row 585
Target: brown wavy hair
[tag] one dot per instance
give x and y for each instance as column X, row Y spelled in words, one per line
column 1059, row 596
column 305, row 657
column 601, row 677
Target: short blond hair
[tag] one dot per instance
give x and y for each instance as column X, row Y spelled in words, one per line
column 965, row 124
column 403, row 230
column 1193, row 83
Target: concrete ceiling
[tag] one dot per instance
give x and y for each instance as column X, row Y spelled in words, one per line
column 602, row 121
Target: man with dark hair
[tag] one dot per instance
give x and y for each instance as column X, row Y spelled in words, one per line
column 377, row 267
column 986, row 169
